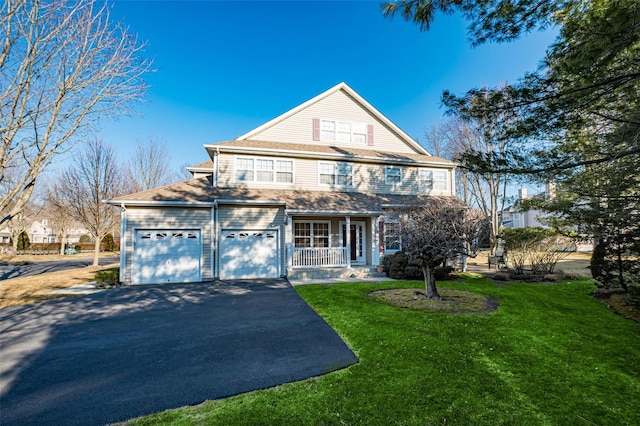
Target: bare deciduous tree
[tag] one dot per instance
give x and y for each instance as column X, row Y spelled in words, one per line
column 63, row 66
column 484, row 191
column 149, row 166
column 183, row 172
column 60, row 222
column 435, row 231
column 82, row 188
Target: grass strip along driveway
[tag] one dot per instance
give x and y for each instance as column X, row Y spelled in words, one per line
column 549, row 355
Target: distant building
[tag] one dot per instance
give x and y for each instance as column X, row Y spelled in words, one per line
column 515, row 217
column 40, row 232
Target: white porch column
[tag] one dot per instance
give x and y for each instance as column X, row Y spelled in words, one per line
column 375, row 241
column 288, row 243
column 347, row 230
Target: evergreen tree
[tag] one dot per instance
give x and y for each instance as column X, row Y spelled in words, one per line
column 575, row 121
column 23, row 241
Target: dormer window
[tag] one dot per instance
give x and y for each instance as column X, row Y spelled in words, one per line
column 329, row 130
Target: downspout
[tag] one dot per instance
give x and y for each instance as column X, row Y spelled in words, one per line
column 213, row 242
column 216, row 226
column 123, row 243
column 216, row 167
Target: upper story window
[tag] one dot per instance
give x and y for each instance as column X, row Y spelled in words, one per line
column 392, row 175
column 433, row 180
column 339, row 174
column 264, row 169
column 328, row 130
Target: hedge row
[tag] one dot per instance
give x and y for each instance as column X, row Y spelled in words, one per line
column 52, row 248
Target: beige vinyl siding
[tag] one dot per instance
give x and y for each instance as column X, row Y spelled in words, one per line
column 239, row 217
column 367, row 177
column 170, row 218
column 372, row 180
column 338, row 106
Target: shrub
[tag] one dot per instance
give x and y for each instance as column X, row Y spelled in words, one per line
column 84, row 238
column 23, row 241
column 397, row 265
column 413, row 273
column 570, row 275
column 541, row 248
column 108, row 243
column 634, row 295
column 501, row 276
column 442, row 272
column 78, row 248
column 108, row 277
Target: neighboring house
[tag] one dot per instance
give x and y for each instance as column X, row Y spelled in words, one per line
column 515, row 216
column 44, row 230
column 303, row 195
column 74, row 234
column 40, row 232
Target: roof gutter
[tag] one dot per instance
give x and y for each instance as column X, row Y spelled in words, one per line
column 321, row 155
column 142, row 203
column 335, row 212
column 251, row 202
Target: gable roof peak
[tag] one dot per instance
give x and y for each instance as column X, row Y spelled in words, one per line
column 355, row 95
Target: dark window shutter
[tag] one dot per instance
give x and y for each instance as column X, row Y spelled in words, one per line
column 316, row 129
column 370, row 134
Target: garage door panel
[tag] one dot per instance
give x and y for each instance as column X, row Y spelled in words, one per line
column 249, row 254
column 162, row 256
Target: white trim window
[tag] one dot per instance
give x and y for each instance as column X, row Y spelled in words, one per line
column 433, row 180
column 311, row 234
column 392, row 240
column 335, row 174
column 264, row 170
column 392, row 175
column 343, row 131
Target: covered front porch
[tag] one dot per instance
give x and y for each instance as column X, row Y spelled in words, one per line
column 332, row 244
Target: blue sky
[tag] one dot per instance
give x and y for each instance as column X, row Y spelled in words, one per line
column 224, row 68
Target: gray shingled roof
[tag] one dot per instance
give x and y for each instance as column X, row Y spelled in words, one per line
column 200, row 191
column 206, row 165
column 354, row 153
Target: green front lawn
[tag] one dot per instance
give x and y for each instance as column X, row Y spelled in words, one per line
column 549, row 355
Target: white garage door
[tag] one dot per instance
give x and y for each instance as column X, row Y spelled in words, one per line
column 166, row 256
column 249, row 254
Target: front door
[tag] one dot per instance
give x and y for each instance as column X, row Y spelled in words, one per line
column 358, row 241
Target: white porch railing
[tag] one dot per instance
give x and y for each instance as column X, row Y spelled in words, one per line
column 322, row 256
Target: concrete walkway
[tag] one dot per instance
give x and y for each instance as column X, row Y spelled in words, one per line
column 340, row 280
column 132, row 351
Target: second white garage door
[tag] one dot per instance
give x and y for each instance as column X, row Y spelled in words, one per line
column 249, row 254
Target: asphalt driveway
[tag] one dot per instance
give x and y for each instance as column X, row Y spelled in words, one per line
column 123, row 353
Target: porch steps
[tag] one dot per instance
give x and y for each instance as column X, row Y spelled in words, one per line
column 334, row 273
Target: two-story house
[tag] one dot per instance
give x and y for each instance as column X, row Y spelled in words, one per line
column 303, row 195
